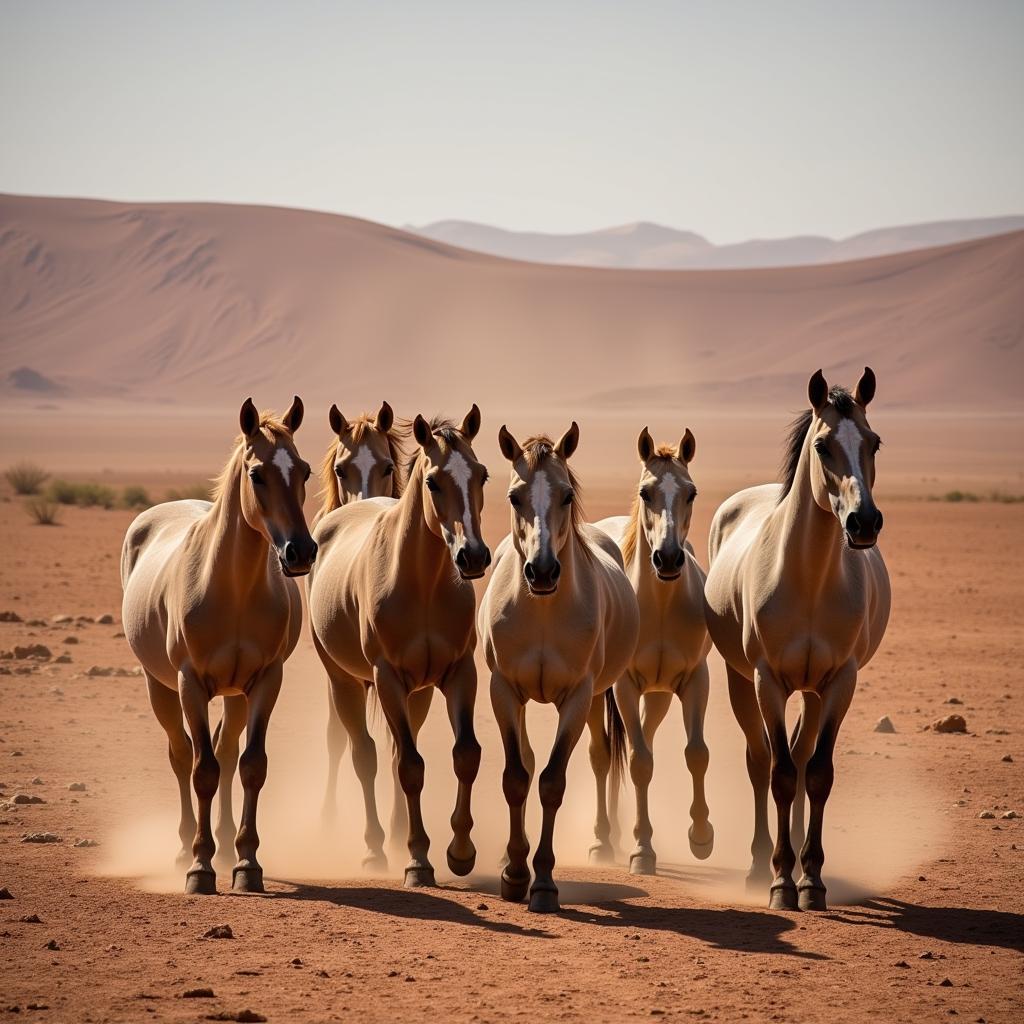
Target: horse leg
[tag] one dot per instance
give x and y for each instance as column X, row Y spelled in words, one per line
column 515, row 783
column 643, row 860
column 201, row 879
column 167, row 708
column 247, row 875
column 348, row 709
column 835, row 702
column 572, row 719
column 602, row 851
column 396, row 705
column 693, row 695
column 418, row 704
column 744, row 707
column 459, row 689
column 771, row 699
column 337, row 740
column 225, row 746
column 801, row 745
column 529, row 763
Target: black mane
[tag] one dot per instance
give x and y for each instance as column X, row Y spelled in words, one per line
column 842, row 401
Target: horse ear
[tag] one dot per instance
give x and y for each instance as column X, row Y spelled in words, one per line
column 471, row 424
column 687, row 447
column 338, row 422
column 293, row 417
column 385, row 417
column 568, row 441
column 865, row 389
column 645, row 445
column 508, row 444
column 422, row 432
column 817, row 390
column 249, row 418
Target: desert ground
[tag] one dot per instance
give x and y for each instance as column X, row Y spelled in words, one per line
column 927, row 910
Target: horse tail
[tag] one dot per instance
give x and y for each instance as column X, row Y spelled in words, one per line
column 616, row 730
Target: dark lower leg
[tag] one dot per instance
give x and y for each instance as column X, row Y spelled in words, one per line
column 460, row 698
column 600, row 763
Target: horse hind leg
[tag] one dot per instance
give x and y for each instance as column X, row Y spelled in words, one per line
column 167, row 708
column 748, row 715
column 225, row 746
column 337, row 741
column 601, row 852
column 693, row 695
column 801, row 745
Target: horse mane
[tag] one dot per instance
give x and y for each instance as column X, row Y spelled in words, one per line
column 540, row 449
column 272, row 429
column 631, row 535
column 396, row 435
column 842, row 401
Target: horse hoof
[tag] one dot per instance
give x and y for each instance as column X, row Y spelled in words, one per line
column 247, row 880
column 514, row 889
column 701, row 847
column 461, row 865
column 601, row 853
column 419, row 877
column 812, row 897
column 544, row 901
column 375, row 862
column 201, row 883
column 783, row 897
column 645, row 862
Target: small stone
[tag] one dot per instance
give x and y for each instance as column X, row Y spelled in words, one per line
column 31, row 919
column 1007, row 758
column 926, row 955
column 197, row 993
column 76, row 787
column 946, row 983
column 392, row 974
column 42, row 837
column 901, row 963
column 322, row 974
column 1009, row 815
column 482, row 906
column 71, row 640
column 62, row 659
column 921, row 878
column 36, row 651
column 52, row 944
column 106, row 619
column 84, row 844
column 296, row 962
column 986, row 815
column 953, row 700
column 61, row 620
column 950, row 724
column 6, row 894
column 884, row 724
column 37, row 781
column 10, row 617
column 27, row 798
column 219, row 931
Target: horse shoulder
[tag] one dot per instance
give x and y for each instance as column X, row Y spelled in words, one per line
column 614, row 527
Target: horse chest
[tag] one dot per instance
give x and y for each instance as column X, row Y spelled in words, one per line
column 673, row 639
column 424, row 641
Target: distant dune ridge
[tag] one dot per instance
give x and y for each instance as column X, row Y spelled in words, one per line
column 200, row 303
column 646, row 246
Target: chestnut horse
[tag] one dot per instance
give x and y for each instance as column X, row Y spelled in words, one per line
column 391, row 603
column 797, row 598
column 211, row 609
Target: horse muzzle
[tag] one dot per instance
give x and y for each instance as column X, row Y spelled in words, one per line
column 668, row 565
column 472, row 561
column 297, row 556
column 862, row 528
column 542, row 576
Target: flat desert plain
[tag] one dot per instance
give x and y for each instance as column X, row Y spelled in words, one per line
column 927, row 909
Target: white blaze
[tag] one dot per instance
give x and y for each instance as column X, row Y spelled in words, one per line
column 284, row 463
column 458, row 469
column 850, row 440
column 669, row 487
column 540, row 498
column 364, row 460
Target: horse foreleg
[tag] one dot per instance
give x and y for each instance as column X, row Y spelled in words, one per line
column 771, row 699
column 393, row 699
column 572, row 718
column 195, row 703
column 225, row 746
column 515, row 784
column 247, row 875
column 748, row 715
column 459, row 689
column 835, row 702
column 801, row 745
column 693, row 695
column 348, row 707
column 337, row 740
column 602, row 851
column 167, row 708
column 643, row 860
column 419, row 704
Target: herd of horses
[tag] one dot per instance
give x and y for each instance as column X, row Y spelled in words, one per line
column 605, row 621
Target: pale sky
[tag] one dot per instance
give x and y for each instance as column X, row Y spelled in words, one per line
column 734, row 119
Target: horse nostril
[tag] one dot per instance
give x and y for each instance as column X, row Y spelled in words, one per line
column 529, row 572
column 853, row 523
column 462, row 559
column 878, row 521
column 291, row 554
column 556, row 570
column 657, row 559
column 680, row 558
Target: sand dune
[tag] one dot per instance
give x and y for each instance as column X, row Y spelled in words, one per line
column 646, row 246
column 194, row 303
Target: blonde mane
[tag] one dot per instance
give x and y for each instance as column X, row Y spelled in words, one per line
column 329, row 492
column 272, row 429
column 540, row 449
column 631, row 535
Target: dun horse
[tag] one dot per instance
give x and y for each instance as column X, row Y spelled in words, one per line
column 671, row 654
column 390, row 603
column 797, row 598
column 211, row 609
column 365, row 460
column 559, row 625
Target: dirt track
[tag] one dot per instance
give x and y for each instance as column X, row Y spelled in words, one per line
column 935, row 891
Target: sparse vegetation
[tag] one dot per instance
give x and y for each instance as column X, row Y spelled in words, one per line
column 200, row 491
column 957, row 496
column 85, row 495
column 44, row 511
column 26, row 477
column 134, row 496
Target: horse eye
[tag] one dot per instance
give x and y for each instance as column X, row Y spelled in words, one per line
column 254, row 476
column 388, row 469
column 876, row 446
column 567, row 500
column 690, row 500
column 433, row 485
column 645, row 495
column 339, row 469
column 821, row 447
column 513, row 500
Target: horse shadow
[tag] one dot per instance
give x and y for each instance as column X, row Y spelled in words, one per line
column 963, row 925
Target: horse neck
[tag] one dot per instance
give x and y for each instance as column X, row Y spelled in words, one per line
column 812, row 542
column 418, row 555
column 236, row 555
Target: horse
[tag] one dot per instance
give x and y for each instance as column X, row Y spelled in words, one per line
column 365, row 460
column 211, row 608
column 797, row 598
column 559, row 624
column 671, row 653
column 391, row 603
